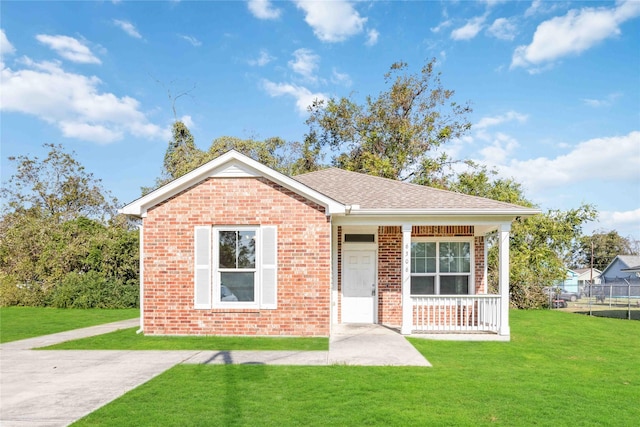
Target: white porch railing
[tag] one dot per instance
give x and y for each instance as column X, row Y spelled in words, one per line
column 456, row 313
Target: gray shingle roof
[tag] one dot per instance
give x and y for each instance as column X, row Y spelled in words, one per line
column 371, row 192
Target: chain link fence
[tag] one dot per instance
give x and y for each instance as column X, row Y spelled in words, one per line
column 619, row 300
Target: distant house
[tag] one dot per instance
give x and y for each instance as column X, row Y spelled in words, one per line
column 620, row 269
column 588, row 275
column 570, row 283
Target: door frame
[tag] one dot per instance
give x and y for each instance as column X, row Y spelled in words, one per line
column 349, row 246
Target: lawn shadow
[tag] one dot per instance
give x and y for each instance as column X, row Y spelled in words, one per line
column 228, row 359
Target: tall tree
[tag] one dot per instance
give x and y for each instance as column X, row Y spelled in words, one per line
column 57, row 187
column 392, row 135
column 606, row 246
column 182, row 155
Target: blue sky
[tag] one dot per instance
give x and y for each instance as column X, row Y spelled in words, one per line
column 555, row 86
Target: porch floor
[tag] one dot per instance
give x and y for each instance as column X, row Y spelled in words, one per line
column 371, row 345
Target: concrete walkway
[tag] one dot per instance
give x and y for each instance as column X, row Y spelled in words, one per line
column 371, row 345
column 57, row 387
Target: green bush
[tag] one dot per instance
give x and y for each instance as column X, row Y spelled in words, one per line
column 93, row 290
column 12, row 292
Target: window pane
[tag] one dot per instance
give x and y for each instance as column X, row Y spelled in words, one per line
column 246, row 249
column 227, row 246
column 423, row 257
column 237, row 286
column 422, row 285
column 455, row 257
column 359, row 238
column 454, row 285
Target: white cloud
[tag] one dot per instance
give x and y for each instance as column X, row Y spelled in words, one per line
column 194, row 41
column 606, row 102
column 263, row 9
column 536, row 6
column 128, row 28
column 305, row 63
column 69, row 48
column 263, row 59
column 341, row 78
column 73, row 103
column 303, row 96
column 509, row 116
column 587, row 161
column 503, row 29
column 441, row 26
column 470, row 29
column 332, row 21
column 573, row 33
column 6, row 48
column 372, row 37
column 500, row 149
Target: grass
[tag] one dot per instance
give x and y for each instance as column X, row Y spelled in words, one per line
column 18, row 323
column 127, row 339
column 559, row 369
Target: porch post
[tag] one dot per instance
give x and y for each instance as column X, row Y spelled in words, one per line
column 503, row 278
column 407, row 309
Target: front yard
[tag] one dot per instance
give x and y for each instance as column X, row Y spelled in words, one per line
column 559, row 369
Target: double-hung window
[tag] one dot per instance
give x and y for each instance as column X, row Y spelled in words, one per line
column 441, row 267
column 235, row 267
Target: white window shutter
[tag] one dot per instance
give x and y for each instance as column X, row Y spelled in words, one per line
column 269, row 271
column 202, row 267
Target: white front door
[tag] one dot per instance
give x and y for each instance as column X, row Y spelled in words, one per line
column 359, row 286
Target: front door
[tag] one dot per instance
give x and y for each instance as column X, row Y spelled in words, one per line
column 359, row 286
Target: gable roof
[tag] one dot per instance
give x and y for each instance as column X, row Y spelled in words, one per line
column 232, row 164
column 338, row 191
column 628, row 261
column 367, row 193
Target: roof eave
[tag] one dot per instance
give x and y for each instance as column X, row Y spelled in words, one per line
column 524, row 212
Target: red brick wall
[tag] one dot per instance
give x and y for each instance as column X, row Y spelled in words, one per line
column 390, row 276
column 304, row 260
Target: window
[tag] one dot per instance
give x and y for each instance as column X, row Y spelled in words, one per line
column 359, row 238
column 440, row 268
column 235, row 267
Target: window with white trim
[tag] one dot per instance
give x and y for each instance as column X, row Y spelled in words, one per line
column 235, row 267
column 441, row 267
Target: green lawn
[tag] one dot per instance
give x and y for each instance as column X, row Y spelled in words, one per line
column 127, row 339
column 560, row 369
column 18, row 323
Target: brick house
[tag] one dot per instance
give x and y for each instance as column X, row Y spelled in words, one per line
column 236, row 248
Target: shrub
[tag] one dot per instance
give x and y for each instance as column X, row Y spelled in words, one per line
column 12, row 292
column 93, row 290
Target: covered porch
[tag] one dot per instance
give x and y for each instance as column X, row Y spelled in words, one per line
column 430, row 279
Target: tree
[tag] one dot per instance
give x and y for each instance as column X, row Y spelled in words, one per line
column 182, row 155
column 57, row 187
column 606, row 246
column 392, row 134
column 59, row 220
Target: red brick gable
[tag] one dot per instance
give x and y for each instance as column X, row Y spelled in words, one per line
column 304, row 260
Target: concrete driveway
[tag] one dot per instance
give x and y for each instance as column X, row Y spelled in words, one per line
column 58, row 387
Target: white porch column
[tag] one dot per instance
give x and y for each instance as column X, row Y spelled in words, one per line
column 407, row 309
column 503, row 277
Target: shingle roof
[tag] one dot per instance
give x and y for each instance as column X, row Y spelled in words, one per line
column 630, row 260
column 375, row 193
